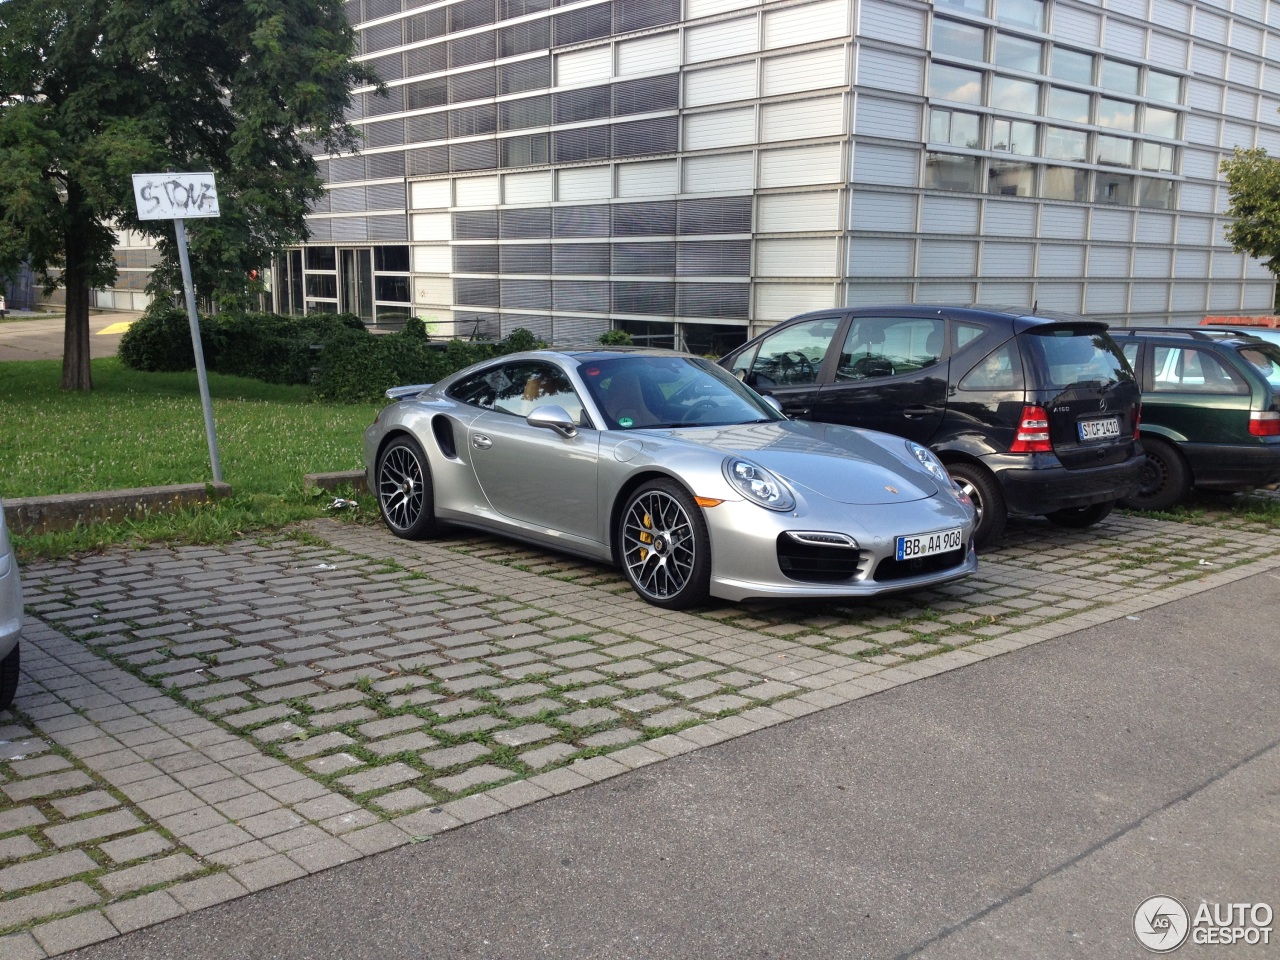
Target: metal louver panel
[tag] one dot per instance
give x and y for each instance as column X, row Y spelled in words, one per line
column 591, row 220
column 580, row 258
column 639, row 137
column 482, row 326
column 354, row 110
column 715, row 215
column 585, row 296
column 382, row 36
column 387, row 196
column 477, row 48
column 584, row 143
column 321, row 229
column 526, row 294
column 526, row 258
column 384, row 165
column 374, row 9
column 534, row 148
column 476, row 225
column 644, row 219
column 478, row 155
column 388, row 228
column 429, row 160
column 320, row 204
column 480, row 293
column 425, row 26
column 721, row 301
column 468, row 14
column 524, row 38
column 427, row 126
column 390, row 67
column 473, row 85
column 539, row 326
column 578, row 26
column 354, row 10
column 387, row 133
column 429, row 59
column 591, row 103
column 478, row 258
column 533, row 223
column 524, row 75
column 346, row 168
column 644, row 259
column 348, row 199
column 473, row 121
column 714, row 258
column 639, row 14
column 379, row 104
column 647, row 95
column 526, row 112
column 350, row 228
column 578, row 329
column 426, row 93
column 631, row 296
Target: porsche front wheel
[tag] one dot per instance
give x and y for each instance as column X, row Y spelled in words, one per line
column 664, row 547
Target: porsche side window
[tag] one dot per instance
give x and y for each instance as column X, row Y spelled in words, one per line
column 793, row 355
column 480, row 389
column 529, row 385
column 888, row 346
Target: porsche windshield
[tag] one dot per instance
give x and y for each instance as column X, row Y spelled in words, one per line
column 635, row 392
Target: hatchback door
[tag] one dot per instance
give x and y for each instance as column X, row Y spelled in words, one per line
column 787, row 364
column 1088, row 390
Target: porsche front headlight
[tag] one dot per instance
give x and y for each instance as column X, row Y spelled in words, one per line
column 930, row 462
column 758, row 485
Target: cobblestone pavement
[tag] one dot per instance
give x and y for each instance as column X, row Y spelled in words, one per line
column 197, row 723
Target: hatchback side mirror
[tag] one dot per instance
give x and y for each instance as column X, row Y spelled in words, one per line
column 554, row 417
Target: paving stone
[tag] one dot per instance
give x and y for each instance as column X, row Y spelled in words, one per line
column 313, row 745
column 143, row 911
column 533, row 708
column 670, row 718
column 600, row 691
column 44, row 786
column 590, row 717
column 71, row 933
column 453, row 756
column 340, row 718
column 47, row 869
column 473, row 777
column 409, row 742
column 402, row 801
column 92, row 828
column 333, row 763
column 472, row 725
column 610, row 738
column 546, row 756
column 522, row 736
column 519, row 691
column 82, row 803
column 45, row 903
column 379, row 778
column 17, row 847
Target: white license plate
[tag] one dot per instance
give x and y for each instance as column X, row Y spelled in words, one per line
column 928, row 544
column 1107, row 428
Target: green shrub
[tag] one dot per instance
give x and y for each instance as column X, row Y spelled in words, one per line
column 160, row 341
column 616, row 338
column 271, row 347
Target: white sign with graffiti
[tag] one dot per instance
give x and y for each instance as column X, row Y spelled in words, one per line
column 175, row 196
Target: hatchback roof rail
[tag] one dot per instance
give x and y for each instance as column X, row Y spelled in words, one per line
column 1194, row 333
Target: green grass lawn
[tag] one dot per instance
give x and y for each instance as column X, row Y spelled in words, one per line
column 146, row 429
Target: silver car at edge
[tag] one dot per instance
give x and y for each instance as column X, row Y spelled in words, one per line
column 670, row 467
column 10, row 617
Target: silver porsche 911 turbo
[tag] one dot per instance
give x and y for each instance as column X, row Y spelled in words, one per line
column 668, row 466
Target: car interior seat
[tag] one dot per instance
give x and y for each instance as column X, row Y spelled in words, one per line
column 623, row 401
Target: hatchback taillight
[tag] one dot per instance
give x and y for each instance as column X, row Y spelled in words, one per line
column 1033, row 432
column 1137, row 420
column 1265, row 423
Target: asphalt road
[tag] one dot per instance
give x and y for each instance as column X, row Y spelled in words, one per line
column 1020, row 807
column 36, row 337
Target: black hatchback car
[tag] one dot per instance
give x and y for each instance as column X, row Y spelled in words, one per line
column 1032, row 415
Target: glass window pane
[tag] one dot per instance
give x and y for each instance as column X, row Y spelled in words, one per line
column 1067, row 105
column 1071, row 65
column 1115, row 151
column 1015, row 96
column 977, row 8
column 965, row 131
column 1063, row 144
column 1014, row 136
column 1017, row 53
column 1065, row 183
column 1154, row 193
column 793, row 355
column 1011, row 178
column 1160, row 123
column 1158, row 157
column 1116, row 114
column 1164, row 86
column 1027, row 13
column 951, row 39
column 953, row 83
column 1118, row 77
column 1113, row 188
column 947, row 171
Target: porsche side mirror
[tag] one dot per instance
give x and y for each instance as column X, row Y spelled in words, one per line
column 554, row 417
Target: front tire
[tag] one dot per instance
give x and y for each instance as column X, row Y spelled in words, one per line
column 1077, row 518
column 9, row 678
column 664, row 547
column 1165, row 479
column 987, row 499
column 406, row 499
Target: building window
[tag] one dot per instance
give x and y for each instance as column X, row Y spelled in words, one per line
column 955, row 127
column 1119, row 77
column 1067, row 105
column 1113, row 188
column 948, row 171
column 1014, row 136
column 1017, row 53
column 1157, row 157
column 1065, row 183
column 1011, row 178
column 1115, row 151
column 1071, row 66
column 1061, row 143
column 955, row 84
column 1157, row 194
column 951, row 39
column 1024, row 13
column 1164, row 87
column 1015, row 96
column 1117, row 114
column 1160, row 123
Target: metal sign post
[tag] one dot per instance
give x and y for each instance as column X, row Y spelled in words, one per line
column 177, row 196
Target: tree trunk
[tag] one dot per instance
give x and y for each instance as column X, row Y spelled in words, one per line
column 76, row 372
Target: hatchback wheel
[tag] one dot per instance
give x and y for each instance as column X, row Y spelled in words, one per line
column 1077, row 518
column 664, row 547
column 1165, row 479
column 405, row 497
column 987, row 500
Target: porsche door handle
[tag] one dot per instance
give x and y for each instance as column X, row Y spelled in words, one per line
column 481, row 442
column 916, row 412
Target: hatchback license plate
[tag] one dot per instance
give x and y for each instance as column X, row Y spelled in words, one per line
column 1107, row 428
column 928, row 544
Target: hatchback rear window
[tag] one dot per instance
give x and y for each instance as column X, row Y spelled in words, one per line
column 1062, row 356
column 1265, row 358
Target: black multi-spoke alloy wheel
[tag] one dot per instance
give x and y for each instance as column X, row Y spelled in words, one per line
column 1165, row 479
column 987, row 499
column 1080, row 517
column 664, row 547
column 405, row 497
column 9, row 678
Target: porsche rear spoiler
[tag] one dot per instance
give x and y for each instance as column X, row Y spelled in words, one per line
column 402, row 393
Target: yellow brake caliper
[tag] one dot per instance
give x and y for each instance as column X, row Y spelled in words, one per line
column 646, row 537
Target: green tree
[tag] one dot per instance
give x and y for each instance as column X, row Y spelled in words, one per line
column 1253, row 201
column 93, row 91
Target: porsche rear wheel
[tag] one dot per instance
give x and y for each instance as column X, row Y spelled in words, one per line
column 405, row 497
column 664, row 547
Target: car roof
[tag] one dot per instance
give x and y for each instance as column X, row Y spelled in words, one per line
column 1234, row 338
column 1019, row 318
